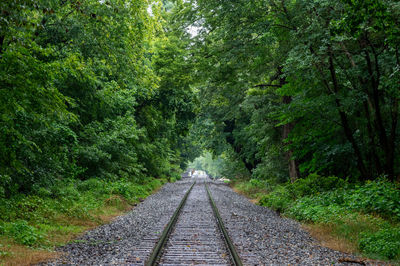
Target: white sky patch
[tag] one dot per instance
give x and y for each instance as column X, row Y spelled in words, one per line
column 193, row 30
column 150, row 10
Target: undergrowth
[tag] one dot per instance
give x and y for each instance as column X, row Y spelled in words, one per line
column 253, row 188
column 50, row 217
column 366, row 214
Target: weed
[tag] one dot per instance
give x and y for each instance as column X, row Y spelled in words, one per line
column 384, row 244
column 4, row 253
column 23, row 233
column 279, row 200
column 254, row 188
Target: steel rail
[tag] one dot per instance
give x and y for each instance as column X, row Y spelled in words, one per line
column 166, row 232
column 232, row 250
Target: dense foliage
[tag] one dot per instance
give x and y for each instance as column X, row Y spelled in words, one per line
column 87, row 91
column 302, row 96
column 367, row 214
column 295, row 87
column 97, row 98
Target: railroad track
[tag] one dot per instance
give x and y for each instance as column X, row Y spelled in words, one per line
column 195, row 234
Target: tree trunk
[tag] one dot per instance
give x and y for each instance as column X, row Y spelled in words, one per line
column 294, row 172
column 345, row 123
column 374, row 154
column 387, row 143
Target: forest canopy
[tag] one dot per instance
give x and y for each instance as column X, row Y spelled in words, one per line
column 104, row 101
column 87, row 91
column 290, row 88
column 133, row 89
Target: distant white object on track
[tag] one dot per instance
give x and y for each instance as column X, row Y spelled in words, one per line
column 199, row 174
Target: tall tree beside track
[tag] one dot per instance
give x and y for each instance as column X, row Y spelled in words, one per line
column 313, row 83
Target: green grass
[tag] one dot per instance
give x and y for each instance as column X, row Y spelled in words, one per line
column 53, row 216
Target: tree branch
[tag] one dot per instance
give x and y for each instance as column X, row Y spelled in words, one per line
column 268, row 85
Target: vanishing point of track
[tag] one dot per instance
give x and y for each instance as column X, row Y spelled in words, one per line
column 195, row 234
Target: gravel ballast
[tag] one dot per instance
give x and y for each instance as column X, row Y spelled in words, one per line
column 260, row 235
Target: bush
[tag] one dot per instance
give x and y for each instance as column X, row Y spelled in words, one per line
column 65, row 208
column 308, row 209
column 23, row 233
column 155, row 183
column 375, row 197
column 3, row 253
column 282, row 197
column 278, row 200
column 314, row 184
column 29, row 208
column 175, row 176
column 92, row 184
column 122, row 188
column 65, row 190
column 257, row 183
column 378, row 197
column 355, row 212
column 254, row 188
column 43, row 192
column 384, row 243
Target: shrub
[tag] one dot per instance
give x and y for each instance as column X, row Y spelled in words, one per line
column 314, row 184
column 29, row 208
column 352, row 211
column 65, row 190
column 129, row 190
column 282, row 197
column 256, row 183
column 253, row 188
column 20, row 214
column 278, row 200
column 43, row 192
column 92, row 184
column 379, row 197
column 384, row 243
column 23, row 233
column 308, row 209
column 4, row 254
column 155, row 183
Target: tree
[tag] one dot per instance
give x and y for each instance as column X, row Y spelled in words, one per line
column 87, row 92
column 328, row 72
